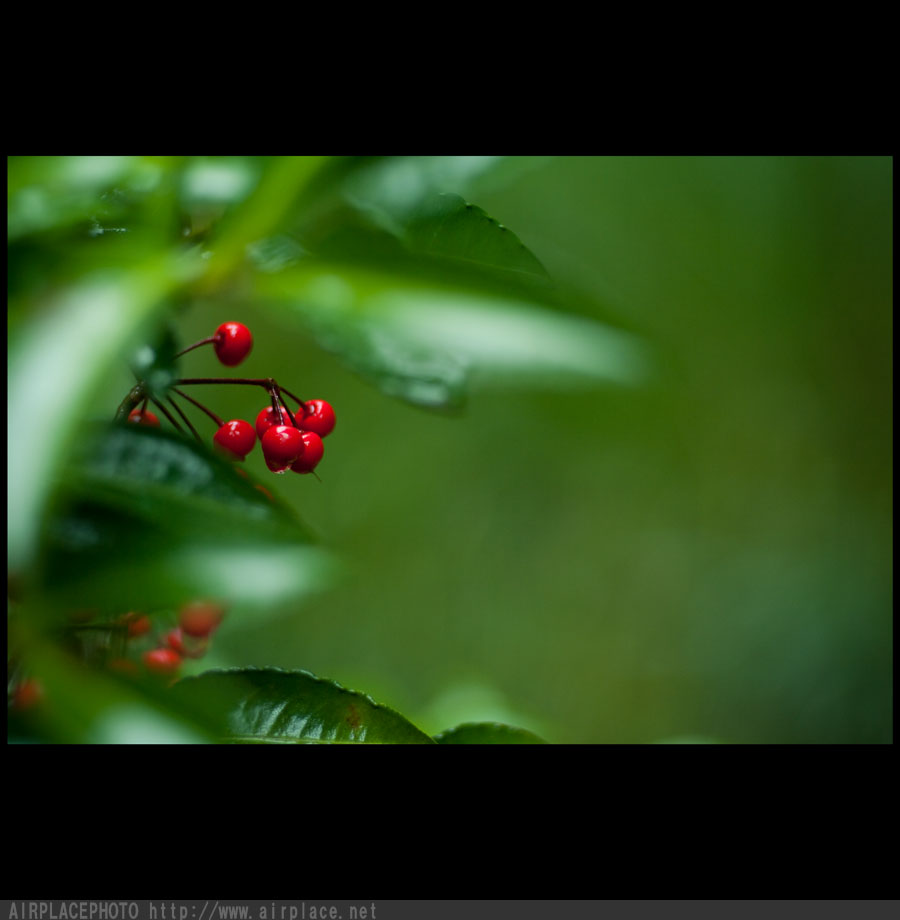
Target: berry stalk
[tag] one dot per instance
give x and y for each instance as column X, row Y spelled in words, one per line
column 266, row 382
column 207, row 341
column 167, row 414
column 295, row 398
column 200, row 406
column 185, row 419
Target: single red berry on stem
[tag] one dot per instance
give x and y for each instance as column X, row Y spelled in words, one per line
column 143, row 418
column 235, row 439
column 313, row 449
column 267, row 418
column 162, row 660
column 232, row 343
column 281, row 445
column 200, row 618
column 318, row 416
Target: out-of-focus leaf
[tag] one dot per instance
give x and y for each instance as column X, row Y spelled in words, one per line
column 283, row 707
column 60, row 359
column 261, row 214
column 392, row 189
column 84, row 706
column 209, row 181
column 52, row 192
column 148, row 519
column 424, row 341
column 487, row 733
column 155, row 363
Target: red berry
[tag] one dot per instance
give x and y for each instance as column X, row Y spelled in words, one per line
column 138, row 624
column 174, row 638
column 267, row 418
column 318, row 416
column 235, row 439
column 176, row 641
column 200, row 618
column 143, row 418
column 281, row 445
column 162, row 660
column 232, row 342
column 313, row 448
column 28, row 694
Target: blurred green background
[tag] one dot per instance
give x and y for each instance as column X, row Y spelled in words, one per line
column 705, row 556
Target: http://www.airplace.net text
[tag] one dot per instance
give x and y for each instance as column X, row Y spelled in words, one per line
column 190, row 910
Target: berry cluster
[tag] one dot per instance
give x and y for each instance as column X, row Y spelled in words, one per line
column 162, row 655
column 290, row 440
column 197, row 621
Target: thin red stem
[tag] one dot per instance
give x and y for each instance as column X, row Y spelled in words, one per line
column 208, row 341
column 200, row 406
column 167, row 414
column 295, row 398
column 266, row 382
column 276, row 407
column 289, row 415
column 184, row 418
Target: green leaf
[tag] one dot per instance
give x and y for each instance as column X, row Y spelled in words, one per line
column 447, row 227
column 444, row 300
column 147, row 519
column 48, row 193
column 82, row 705
column 393, row 188
column 261, row 213
column 426, row 340
column 269, row 705
column 487, row 733
column 61, row 358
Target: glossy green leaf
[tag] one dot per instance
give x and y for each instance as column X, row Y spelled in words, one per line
column 147, row 518
column 487, row 733
column 269, row 705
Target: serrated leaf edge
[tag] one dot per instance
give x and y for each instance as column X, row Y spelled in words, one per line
column 304, row 673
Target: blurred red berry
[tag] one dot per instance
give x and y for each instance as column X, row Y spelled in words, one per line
column 162, row 660
column 28, row 694
column 143, row 418
column 200, row 618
